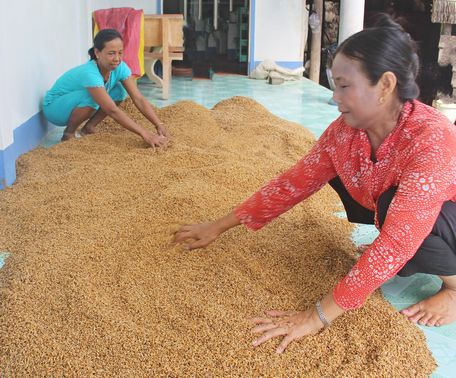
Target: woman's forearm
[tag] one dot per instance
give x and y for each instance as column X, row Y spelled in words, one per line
column 228, row 221
column 146, row 109
column 125, row 121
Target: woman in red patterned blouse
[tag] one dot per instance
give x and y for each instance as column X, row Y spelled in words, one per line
column 392, row 160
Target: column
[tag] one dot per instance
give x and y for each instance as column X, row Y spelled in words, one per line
column 351, row 18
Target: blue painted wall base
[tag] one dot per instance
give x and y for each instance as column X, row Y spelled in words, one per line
column 25, row 137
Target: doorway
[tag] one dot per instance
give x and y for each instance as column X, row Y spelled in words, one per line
column 216, row 35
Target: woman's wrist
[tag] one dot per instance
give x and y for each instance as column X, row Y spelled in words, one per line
column 328, row 310
column 144, row 133
column 321, row 315
column 225, row 223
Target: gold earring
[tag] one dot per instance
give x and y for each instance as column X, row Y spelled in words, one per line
column 381, row 100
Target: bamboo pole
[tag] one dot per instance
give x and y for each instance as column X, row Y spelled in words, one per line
column 315, row 53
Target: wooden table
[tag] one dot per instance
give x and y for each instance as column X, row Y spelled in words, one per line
column 164, row 41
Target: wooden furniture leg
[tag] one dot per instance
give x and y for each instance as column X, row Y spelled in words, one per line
column 164, row 34
column 166, row 61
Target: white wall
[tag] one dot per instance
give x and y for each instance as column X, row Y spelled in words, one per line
column 149, row 6
column 39, row 41
column 279, row 30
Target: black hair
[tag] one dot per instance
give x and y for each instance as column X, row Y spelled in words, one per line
column 382, row 48
column 103, row 36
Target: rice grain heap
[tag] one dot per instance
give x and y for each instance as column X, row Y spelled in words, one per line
column 93, row 287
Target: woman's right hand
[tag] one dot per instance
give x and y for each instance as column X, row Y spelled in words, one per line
column 195, row 236
column 155, row 140
column 201, row 235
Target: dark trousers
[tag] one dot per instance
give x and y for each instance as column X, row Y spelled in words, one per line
column 437, row 253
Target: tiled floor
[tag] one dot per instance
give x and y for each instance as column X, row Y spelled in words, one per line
column 302, row 102
column 3, row 256
column 308, row 104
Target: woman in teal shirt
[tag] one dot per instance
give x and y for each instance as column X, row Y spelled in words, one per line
column 93, row 90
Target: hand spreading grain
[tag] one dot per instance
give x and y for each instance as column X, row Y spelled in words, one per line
column 290, row 324
column 155, row 140
column 201, row 235
column 162, row 131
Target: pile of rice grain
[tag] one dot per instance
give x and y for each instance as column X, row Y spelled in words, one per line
column 94, row 288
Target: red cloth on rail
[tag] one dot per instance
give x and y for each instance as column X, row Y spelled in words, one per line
column 128, row 22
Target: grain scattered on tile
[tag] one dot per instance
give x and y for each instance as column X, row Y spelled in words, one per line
column 93, row 288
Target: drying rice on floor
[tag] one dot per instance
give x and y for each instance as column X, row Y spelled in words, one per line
column 93, row 286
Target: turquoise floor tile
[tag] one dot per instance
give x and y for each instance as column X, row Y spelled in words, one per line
column 364, row 234
column 301, row 101
column 3, row 256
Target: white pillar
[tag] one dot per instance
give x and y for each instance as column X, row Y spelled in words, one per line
column 215, row 14
column 351, row 18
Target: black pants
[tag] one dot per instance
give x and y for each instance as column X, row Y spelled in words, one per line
column 437, row 254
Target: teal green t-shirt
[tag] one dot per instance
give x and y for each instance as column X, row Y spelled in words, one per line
column 85, row 76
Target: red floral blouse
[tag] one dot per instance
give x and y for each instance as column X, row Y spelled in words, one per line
column 418, row 156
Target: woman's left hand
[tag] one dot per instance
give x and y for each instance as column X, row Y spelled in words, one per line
column 291, row 324
column 155, row 140
column 161, row 130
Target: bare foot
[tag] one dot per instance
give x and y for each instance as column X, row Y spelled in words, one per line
column 66, row 136
column 437, row 310
column 87, row 130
